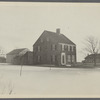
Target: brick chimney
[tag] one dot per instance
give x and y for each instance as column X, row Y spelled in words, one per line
column 58, row 30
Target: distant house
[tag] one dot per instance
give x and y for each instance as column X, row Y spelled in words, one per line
column 54, row 48
column 90, row 58
column 10, row 57
column 2, row 60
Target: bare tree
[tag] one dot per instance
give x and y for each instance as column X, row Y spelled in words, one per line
column 10, row 87
column 2, row 52
column 6, row 87
column 92, row 46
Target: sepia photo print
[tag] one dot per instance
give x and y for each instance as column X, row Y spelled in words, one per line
column 49, row 50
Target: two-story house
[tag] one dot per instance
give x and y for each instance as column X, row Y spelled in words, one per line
column 54, row 48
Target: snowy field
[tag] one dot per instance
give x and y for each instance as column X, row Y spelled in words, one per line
column 43, row 82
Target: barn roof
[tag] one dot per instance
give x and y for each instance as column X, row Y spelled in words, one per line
column 91, row 56
column 16, row 51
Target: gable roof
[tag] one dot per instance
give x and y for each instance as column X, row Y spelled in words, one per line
column 91, row 56
column 59, row 38
column 16, row 51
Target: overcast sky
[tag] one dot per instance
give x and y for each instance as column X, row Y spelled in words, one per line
column 21, row 24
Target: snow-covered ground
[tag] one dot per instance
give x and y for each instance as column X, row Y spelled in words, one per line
column 43, row 82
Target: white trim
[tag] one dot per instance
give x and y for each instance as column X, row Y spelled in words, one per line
column 63, row 55
column 67, row 44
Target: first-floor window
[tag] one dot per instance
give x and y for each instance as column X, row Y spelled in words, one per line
column 69, row 58
column 53, row 47
column 73, row 58
column 53, row 58
column 39, row 48
column 39, row 57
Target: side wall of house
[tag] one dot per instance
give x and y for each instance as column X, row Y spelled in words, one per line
column 30, row 58
column 9, row 58
column 45, row 52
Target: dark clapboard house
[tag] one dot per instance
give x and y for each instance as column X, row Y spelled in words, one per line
column 53, row 48
column 20, row 56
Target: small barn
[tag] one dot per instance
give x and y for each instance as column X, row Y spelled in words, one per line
column 90, row 58
column 11, row 56
column 2, row 60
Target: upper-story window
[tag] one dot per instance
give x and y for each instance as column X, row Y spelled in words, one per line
column 53, row 47
column 39, row 48
column 68, row 48
column 47, row 39
column 72, row 48
column 41, row 40
column 63, row 47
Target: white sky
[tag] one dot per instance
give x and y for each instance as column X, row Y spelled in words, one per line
column 21, row 24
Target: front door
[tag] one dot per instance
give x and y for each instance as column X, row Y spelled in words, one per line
column 63, row 58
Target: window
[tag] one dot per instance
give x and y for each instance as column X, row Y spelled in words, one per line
column 39, row 58
column 63, row 47
column 47, row 39
column 53, row 58
column 53, row 47
column 68, row 48
column 38, row 48
column 73, row 58
column 41, row 40
column 69, row 58
column 72, row 48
